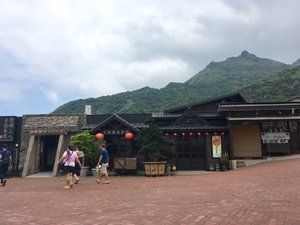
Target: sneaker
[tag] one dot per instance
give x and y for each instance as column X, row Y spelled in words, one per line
column 107, row 182
column 4, row 182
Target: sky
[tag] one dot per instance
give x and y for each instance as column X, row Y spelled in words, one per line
column 56, row 51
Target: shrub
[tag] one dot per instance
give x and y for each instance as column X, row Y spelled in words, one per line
column 89, row 145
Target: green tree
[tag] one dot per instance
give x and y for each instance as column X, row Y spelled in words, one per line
column 153, row 143
column 89, row 145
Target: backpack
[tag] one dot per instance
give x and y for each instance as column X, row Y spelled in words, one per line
column 4, row 158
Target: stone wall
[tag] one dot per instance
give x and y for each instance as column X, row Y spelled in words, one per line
column 47, row 124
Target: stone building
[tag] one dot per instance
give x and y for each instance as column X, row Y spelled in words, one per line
column 43, row 140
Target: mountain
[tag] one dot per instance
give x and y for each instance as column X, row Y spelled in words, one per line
column 279, row 87
column 217, row 79
column 234, row 73
column 297, row 62
column 139, row 101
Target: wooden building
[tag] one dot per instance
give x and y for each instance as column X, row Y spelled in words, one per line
column 245, row 130
column 200, row 131
column 262, row 129
column 192, row 127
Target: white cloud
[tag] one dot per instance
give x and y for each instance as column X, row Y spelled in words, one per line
column 52, row 96
column 73, row 49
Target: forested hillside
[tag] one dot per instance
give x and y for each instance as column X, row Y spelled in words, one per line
column 258, row 79
column 277, row 88
column 234, row 73
column 139, row 101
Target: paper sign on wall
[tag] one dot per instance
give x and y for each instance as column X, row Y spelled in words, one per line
column 217, row 146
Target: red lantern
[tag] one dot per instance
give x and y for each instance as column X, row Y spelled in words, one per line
column 99, row 136
column 183, row 135
column 175, row 135
column 222, row 134
column 129, row 136
column 199, row 135
column 215, row 133
column 206, row 134
column 191, row 136
column 167, row 135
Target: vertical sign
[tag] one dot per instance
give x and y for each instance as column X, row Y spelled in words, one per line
column 216, row 146
column 7, row 128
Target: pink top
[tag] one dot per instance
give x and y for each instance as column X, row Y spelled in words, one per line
column 71, row 160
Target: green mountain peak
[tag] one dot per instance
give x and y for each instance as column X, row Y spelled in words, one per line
column 232, row 75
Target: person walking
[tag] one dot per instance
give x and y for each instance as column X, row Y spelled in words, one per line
column 80, row 156
column 69, row 158
column 5, row 161
column 103, row 159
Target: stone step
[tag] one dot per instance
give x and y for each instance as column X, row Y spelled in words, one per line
column 240, row 163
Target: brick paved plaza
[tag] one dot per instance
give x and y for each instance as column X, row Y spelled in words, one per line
column 267, row 193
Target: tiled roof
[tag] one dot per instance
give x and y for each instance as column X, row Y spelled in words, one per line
column 218, row 98
column 114, row 117
column 258, row 106
column 264, row 118
column 172, row 115
column 192, row 128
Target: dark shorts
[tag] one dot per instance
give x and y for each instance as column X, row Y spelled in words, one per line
column 3, row 170
column 77, row 169
column 69, row 169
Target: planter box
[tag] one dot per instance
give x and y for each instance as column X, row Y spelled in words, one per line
column 95, row 172
column 155, row 168
column 125, row 163
column 232, row 164
column 84, row 171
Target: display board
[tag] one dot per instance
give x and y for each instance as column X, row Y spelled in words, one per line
column 7, row 128
column 275, row 137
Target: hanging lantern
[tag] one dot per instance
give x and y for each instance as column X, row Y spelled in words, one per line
column 199, row 135
column 129, row 136
column 175, row 135
column 167, row 135
column 215, row 133
column 183, row 135
column 222, row 134
column 99, row 136
column 191, row 136
column 206, row 134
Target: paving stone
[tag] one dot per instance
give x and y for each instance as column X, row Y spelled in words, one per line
column 261, row 194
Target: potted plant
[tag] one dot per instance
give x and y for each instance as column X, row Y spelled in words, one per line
column 155, row 147
column 89, row 145
column 224, row 161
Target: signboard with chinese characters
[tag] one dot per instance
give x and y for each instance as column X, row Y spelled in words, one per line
column 217, row 146
column 275, row 137
column 47, row 132
column 7, row 128
column 114, row 132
